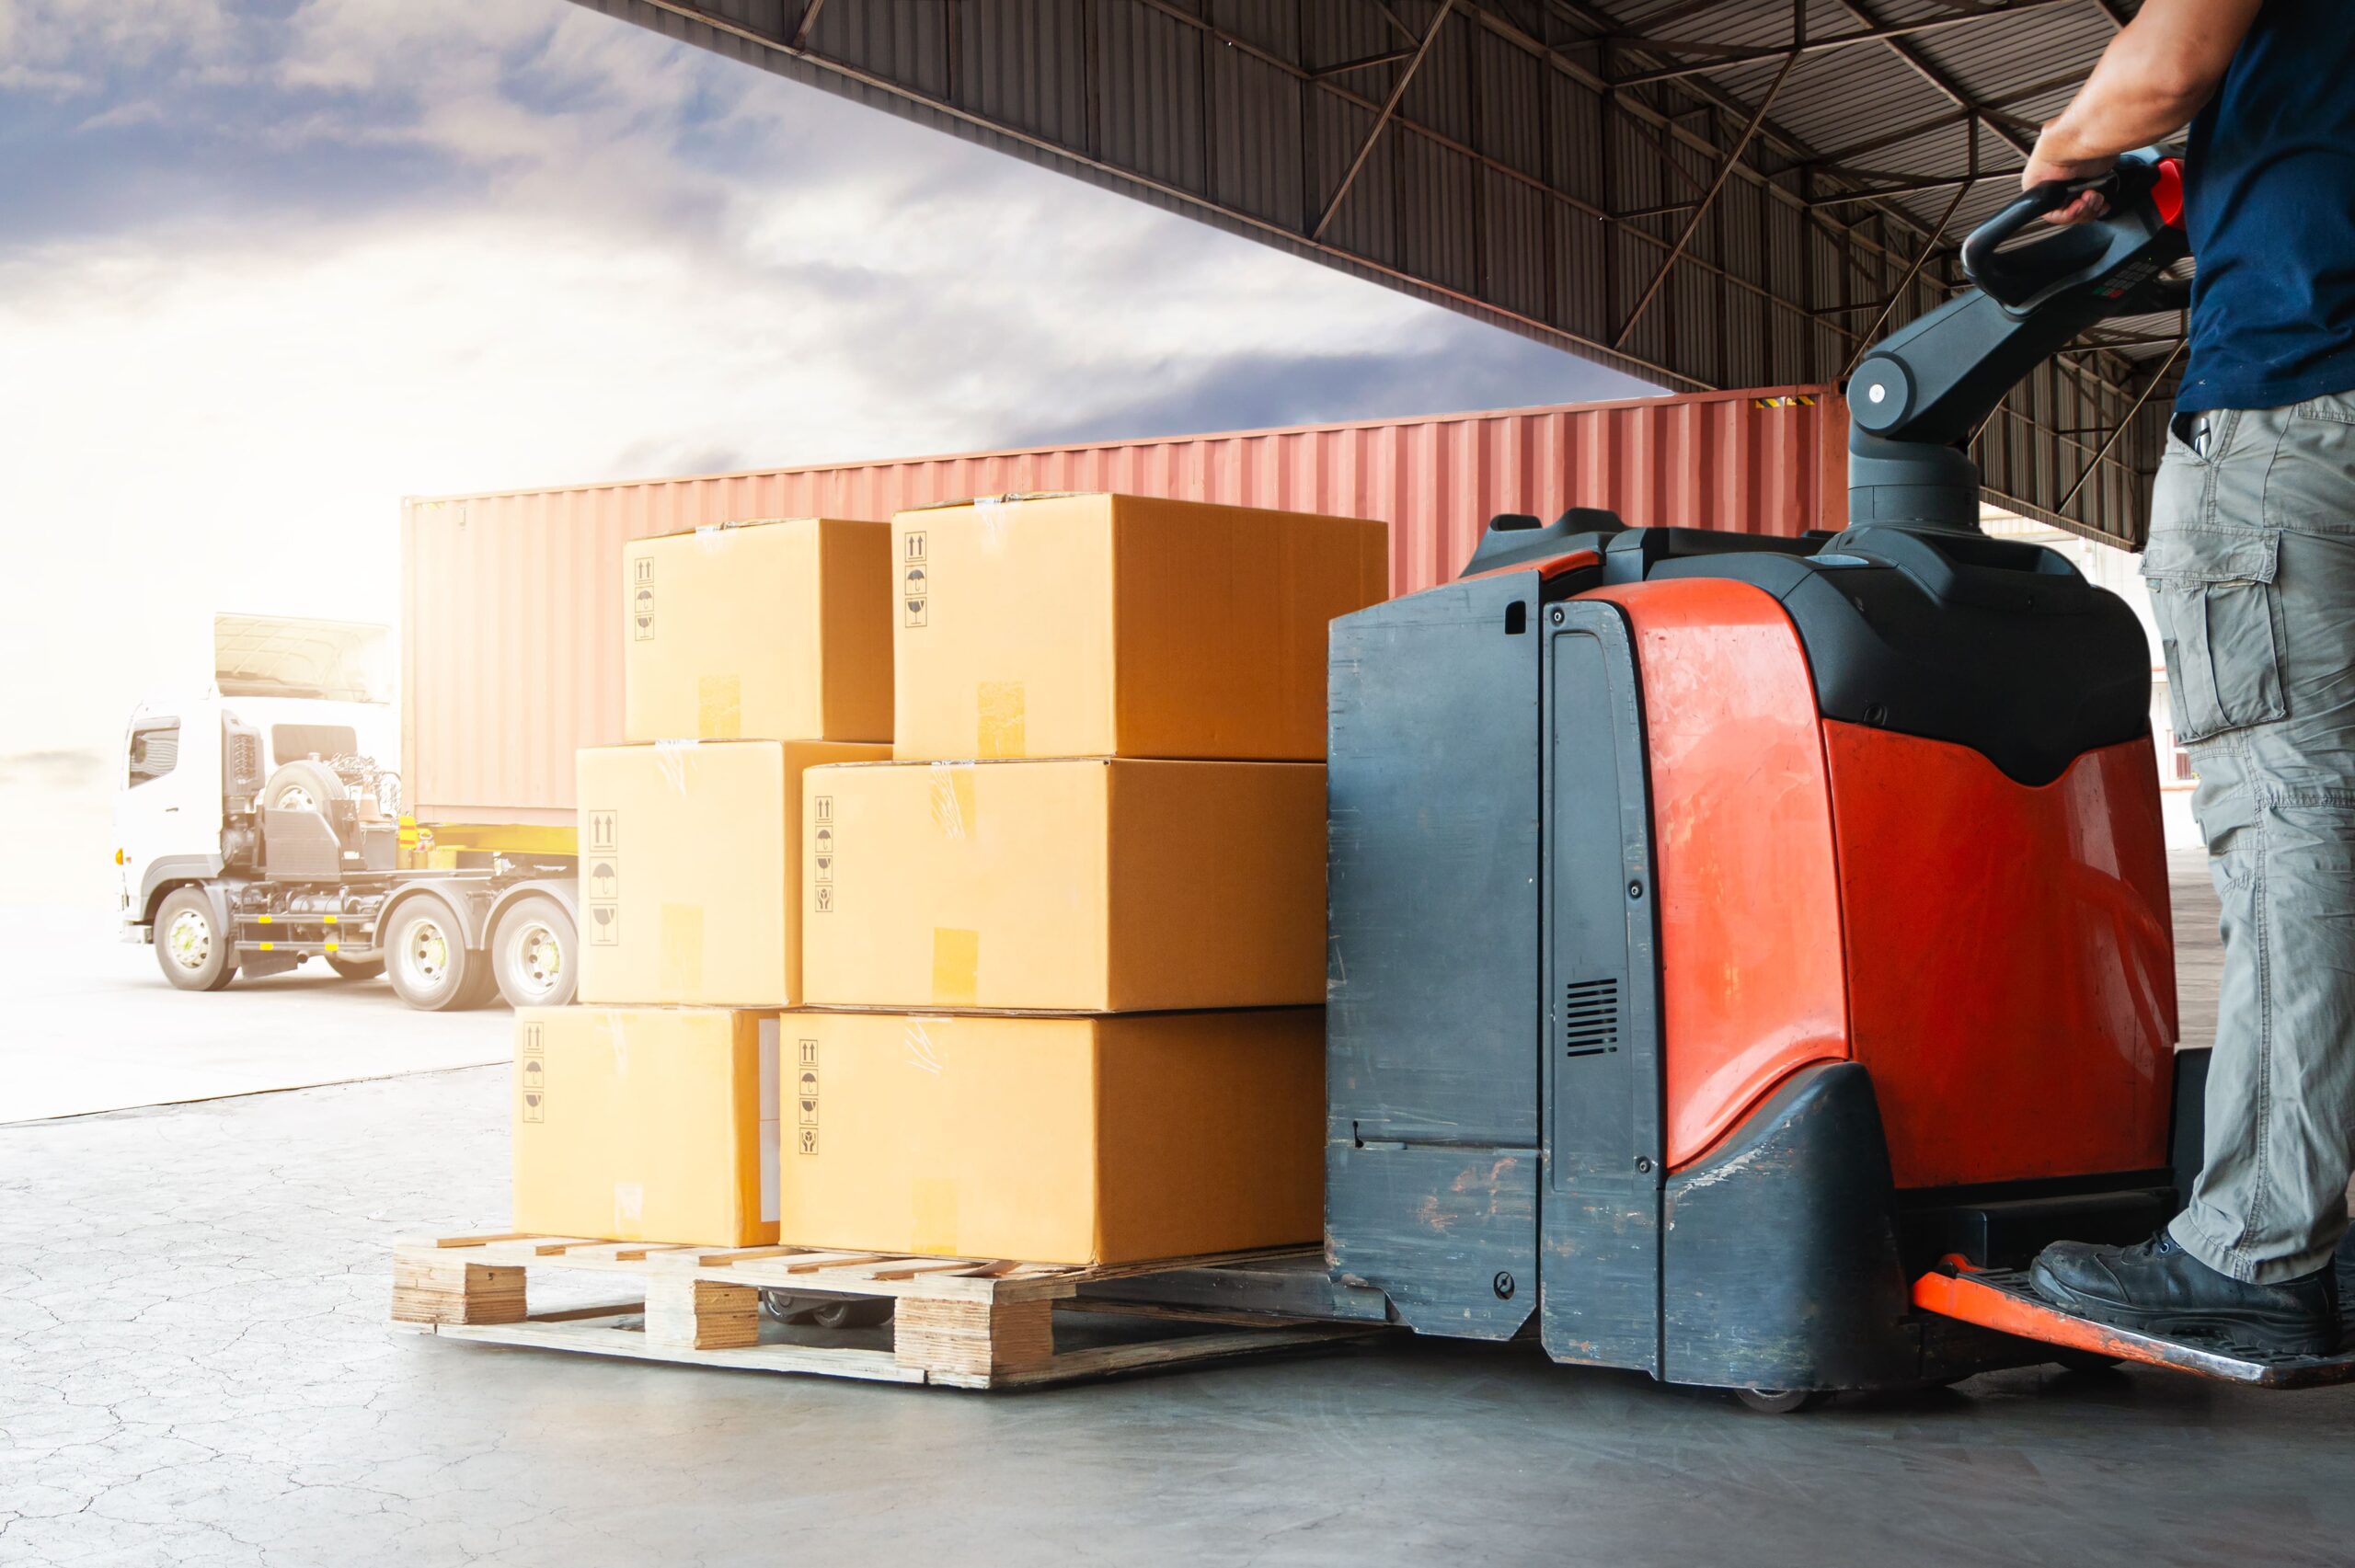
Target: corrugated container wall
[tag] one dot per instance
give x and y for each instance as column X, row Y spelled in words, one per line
column 511, row 644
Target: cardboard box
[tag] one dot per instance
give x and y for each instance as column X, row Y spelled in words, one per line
column 691, row 870
column 759, row 631
column 1090, row 886
column 1079, row 1140
column 1117, row 626
column 647, row 1124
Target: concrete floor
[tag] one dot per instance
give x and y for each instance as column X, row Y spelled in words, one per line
column 91, row 1026
column 194, row 1370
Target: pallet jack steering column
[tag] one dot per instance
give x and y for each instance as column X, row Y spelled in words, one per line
column 1918, row 398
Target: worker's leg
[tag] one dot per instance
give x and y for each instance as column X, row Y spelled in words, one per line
column 2251, row 565
column 2252, row 571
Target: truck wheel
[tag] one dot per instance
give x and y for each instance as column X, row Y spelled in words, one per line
column 533, row 952
column 427, row 960
column 355, row 968
column 301, row 786
column 193, row 954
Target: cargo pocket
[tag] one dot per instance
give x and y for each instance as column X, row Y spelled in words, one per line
column 2212, row 593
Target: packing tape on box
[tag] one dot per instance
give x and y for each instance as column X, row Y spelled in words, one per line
column 954, row 813
column 991, row 513
column 682, row 972
column 629, row 1206
column 956, row 965
column 671, row 761
column 719, row 706
column 1000, row 708
column 918, row 1041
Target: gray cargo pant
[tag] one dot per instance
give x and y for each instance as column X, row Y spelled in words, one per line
column 2251, row 568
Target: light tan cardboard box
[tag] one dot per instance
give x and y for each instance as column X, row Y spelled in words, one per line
column 647, row 1124
column 1112, row 625
column 1078, row 1140
column 775, row 630
column 690, row 870
column 1091, row 885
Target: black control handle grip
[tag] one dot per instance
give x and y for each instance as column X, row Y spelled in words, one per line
column 2027, row 276
column 2034, row 202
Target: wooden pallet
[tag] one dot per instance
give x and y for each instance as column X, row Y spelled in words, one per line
column 962, row 1323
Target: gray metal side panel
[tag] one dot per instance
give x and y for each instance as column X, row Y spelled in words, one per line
column 1602, row 1202
column 1431, row 1028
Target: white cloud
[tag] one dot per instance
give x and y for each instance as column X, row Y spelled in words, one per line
column 632, row 258
column 68, row 47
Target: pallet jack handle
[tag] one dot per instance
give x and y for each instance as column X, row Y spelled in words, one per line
column 1920, row 395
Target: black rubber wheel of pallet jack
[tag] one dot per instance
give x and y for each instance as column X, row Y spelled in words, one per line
column 1777, row 1402
column 2088, row 1362
column 827, row 1312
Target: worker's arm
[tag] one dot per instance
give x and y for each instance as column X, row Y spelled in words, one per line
column 2160, row 70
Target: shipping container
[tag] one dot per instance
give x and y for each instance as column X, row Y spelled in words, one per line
column 512, row 655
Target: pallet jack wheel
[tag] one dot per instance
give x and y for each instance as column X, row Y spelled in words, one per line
column 2084, row 1361
column 827, row 1312
column 1777, row 1402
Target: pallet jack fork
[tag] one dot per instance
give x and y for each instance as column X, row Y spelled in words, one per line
column 2002, row 1299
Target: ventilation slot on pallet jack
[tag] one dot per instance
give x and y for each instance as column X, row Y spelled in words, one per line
column 1590, row 1018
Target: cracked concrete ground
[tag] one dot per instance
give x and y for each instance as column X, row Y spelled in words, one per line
column 195, row 1370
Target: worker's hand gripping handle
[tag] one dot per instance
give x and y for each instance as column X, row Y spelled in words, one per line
column 2142, row 194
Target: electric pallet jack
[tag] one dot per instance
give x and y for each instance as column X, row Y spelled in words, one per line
column 1747, row 953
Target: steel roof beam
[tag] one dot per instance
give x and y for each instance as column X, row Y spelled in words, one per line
column 1389, row 107
column 1729, row 59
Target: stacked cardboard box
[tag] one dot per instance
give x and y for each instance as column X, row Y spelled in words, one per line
column 751, row 653
column 1081, row 912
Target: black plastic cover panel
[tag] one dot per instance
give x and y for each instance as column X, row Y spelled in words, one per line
column 1432, row 1024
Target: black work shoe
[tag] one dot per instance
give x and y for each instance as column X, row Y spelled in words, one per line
column 2158, row 1289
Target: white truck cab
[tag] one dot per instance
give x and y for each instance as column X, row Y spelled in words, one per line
column 257, row 826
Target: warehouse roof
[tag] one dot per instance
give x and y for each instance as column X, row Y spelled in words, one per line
column 1706, row 193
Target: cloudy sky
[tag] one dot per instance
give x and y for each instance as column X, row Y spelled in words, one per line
column 267, row 267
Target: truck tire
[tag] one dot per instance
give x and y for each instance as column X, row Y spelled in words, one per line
column 355, row 968
column 189, row 948
column 534, row 953
column 301, row 786
column 427, row 960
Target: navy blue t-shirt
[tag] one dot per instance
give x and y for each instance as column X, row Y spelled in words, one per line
column 2269, row 202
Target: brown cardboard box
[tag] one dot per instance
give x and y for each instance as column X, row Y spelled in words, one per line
column 690, row 867
column 1117, row 626
column 647, row 1124
column 776, row 630
column 1079, row 1140
column 1089, row 885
